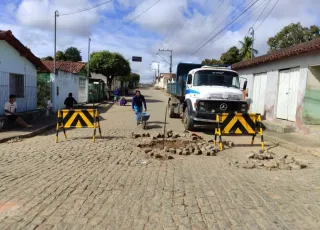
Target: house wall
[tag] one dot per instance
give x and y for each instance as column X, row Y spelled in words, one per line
column 83, row 89
column 12, row 62
column 67, row 83
column 272, row 69
column 311, row 112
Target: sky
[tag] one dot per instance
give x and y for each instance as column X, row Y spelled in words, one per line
column 192, row 29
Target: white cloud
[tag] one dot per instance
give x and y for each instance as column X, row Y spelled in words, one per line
column 33, row 25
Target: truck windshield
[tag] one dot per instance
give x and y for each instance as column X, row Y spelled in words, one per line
column 216, row 77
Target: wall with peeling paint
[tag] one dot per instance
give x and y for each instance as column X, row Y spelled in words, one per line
column 308, row 106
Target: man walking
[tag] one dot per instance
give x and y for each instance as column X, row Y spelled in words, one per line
column 69, row 101
column 138, row 102
column 10, row 110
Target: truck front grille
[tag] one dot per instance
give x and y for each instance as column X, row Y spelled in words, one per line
column 222, row 106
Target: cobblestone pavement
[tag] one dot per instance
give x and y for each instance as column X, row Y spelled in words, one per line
column 76, row 184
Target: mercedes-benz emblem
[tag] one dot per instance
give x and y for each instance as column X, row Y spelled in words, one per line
column 223, row 106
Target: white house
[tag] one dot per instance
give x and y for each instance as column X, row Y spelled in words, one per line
column 69, row 78
column 163, row 80
column 285, row 85
column 18, row 73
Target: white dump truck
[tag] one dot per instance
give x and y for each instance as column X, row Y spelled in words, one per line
column 200, row 92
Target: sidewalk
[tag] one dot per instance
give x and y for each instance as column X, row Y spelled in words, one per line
column 44, row 123
column 38, row 126
column 295, row 141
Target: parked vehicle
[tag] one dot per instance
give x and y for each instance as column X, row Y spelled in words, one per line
column 200, row 92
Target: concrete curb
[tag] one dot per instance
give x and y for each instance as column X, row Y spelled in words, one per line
column 292, row 146
column 31, row 134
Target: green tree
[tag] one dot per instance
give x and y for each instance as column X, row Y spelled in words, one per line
column 43, row 91
column 210, row 62
column 48, row 58
column 73, row 54
column 291, row 35
column 60, row 56
column 231, row 56
column 109, row 64
column 246, row 48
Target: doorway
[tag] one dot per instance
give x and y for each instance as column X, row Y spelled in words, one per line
column 288, row 94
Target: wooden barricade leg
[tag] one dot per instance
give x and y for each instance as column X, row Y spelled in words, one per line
column 260, row 130
column 219, row 132
column 94, row 127
column 99, row 126
column 57, row 131
column 252, row 141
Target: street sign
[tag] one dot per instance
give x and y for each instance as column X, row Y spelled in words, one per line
column 137, row 59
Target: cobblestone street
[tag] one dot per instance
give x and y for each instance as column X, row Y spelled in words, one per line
column 77, row 184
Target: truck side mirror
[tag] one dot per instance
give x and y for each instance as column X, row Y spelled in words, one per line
column 245, row 85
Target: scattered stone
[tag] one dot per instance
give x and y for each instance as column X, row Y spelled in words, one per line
column 194, row 138
column 158, row 156
column 179, row 151
column 172, row 150
column 170, row 134
column 267, row 160
column 170, row 157
column 249, row 166
column 148, row 150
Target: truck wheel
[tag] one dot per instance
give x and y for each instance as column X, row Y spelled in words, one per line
column 171, row 111
column 187, row 121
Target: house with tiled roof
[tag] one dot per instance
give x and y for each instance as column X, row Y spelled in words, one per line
column 284, row 86
column 18, row 73
column 70, row 77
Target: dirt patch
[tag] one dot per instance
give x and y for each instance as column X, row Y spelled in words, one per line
column 158, row 144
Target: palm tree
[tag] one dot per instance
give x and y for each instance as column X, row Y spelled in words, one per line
column 246, row 49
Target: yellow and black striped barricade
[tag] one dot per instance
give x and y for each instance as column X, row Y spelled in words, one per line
column 78, row 118
column 238, row 124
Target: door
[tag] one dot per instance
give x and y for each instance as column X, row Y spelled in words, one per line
column 288, row 94
column 258, row 93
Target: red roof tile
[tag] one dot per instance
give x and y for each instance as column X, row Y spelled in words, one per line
column 24, row 51
column 67, row 66
column 280, row 54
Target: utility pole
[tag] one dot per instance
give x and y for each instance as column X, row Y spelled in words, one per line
column 56, row 14
column 167, row 50
column 252, row 34
column 88, row 65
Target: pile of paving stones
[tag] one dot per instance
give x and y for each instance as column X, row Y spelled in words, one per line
column 266, row 160
column 184, row 144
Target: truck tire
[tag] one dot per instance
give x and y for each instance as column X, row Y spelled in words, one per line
column 187, row 121
column 171, row 111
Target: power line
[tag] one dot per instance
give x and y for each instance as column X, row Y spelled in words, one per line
column 218, row 26
column 268, row 14
column 131, row 19
column 85, row 9
column 261, row 13
column 223, row 29
column 256, row 8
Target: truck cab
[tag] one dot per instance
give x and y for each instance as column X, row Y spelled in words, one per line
column 209, row 90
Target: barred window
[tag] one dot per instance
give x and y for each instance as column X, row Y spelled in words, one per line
column 17, row 85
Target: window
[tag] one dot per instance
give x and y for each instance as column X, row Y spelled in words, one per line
column 189, row 79
column 215, row 77
column 16, row 82
column 82, row 84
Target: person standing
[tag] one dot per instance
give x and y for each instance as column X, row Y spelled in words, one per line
column 69, row 101
column 138, row 101
column 116, row 94
column 10, row 110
